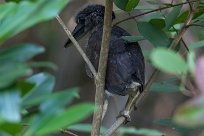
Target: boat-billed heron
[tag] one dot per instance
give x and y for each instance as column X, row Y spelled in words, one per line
column 125, row 72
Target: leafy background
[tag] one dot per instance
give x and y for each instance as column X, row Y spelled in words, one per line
column 34, row 64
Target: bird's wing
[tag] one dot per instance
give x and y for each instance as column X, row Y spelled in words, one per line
column 125, row 65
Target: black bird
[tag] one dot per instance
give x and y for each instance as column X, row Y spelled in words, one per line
column 125, row 67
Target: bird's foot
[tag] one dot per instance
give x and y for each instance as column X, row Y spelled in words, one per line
column 125, row 114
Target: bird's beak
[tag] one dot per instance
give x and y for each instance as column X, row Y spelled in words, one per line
column 78, row 32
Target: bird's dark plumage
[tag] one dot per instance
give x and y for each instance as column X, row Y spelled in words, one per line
column 125, row 61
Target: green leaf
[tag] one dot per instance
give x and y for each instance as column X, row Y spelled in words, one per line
column 182, row 18
column 66, row 96
column 84, row 128
column 48, row 123
column 195, row 45
column 126, row 5
column 191, row 61
column 44, row 84
column 153, row 34
column 168, row 85
column 133, row 39
column 160, row 23
column 10, row 105
column 11, row 71
column 12, row 128
column 18, row 17
column 191, row 113
column 150, row 16
column 170, row 123
column 45, row 64
column 144, row 8
column 21, row 52
column 58, row 100
column 153, row 2
column 171, row 17
column 141, row 131
column 25, row 86
column 168, row 61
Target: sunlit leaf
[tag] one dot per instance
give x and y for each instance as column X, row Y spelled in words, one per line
column 16, row 17
column 58, row 100
column 10, row 105
column 44, row 84
column 168, row 61
column 49, row 123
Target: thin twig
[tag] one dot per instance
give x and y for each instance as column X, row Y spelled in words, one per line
column 68, row 132
column 182, row 40
column 76, row 44
column 195, row 25
column 173, row 45
column 162, row 8
column 100, row 78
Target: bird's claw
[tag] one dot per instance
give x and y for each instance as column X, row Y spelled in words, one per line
column 125, row 114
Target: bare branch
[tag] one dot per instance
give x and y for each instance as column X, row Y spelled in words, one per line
column 173, row 45
column 100, row 78
column 76, row 44
column 115, row 126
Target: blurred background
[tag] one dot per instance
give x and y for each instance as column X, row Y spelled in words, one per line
column 71, row 71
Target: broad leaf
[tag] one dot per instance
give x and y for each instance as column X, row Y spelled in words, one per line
column 16, row 17
column 48, row 123
column 11, row 71
column 10, row 105
column 126, row 5
column 84, row 128
column 21, row 52
column 171, row 17
column 168, row 61
column 58, row 100
column 166, row 85
column 44, row 84
column 153, row 34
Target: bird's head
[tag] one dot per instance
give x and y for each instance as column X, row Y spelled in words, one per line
column 87, row 19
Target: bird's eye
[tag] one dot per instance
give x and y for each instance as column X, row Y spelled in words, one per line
column 81, row 20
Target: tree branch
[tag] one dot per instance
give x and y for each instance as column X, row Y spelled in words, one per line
column 76, row 44
column 100, row 78
column 173, row 45
column 151, row 11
